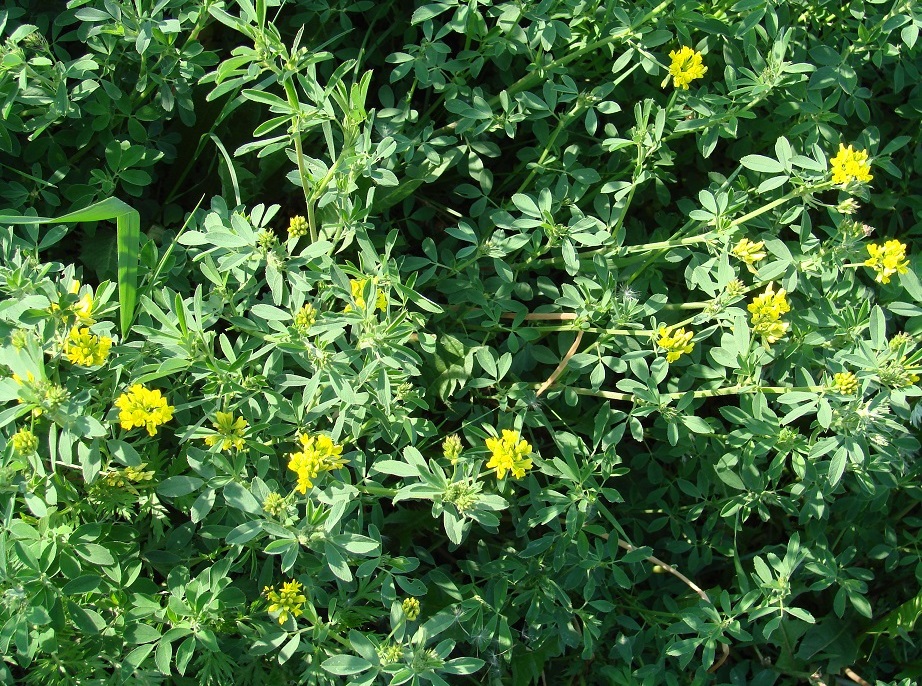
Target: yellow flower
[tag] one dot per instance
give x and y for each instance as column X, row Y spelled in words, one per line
column 390, row 652
column 230, row 431
column 676, row 344
column 318, row 454
column 275, row 505
column 749, row 252
column 288, row 601
column 887, row 259
column 143, row 407
column 84, row 309
column 305, row 318
column 124, row 478
column 24, row 442
column 451, row 448
column 845, row 383
column 509, row 454
column 686, row 67
column 766, row 312
column 410, row 608
column 139, row 474
column 298, row 227
column 850, row 165
column 357, row 286
column 83, row 348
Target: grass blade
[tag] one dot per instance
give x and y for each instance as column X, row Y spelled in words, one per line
column 128, row 240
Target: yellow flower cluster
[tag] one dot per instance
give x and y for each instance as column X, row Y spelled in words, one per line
column 410, row 608
column 318, row 454
column 305, row 318
column 451, row 448
column 230, row 432
column 850, row 165
column 83, row 308
column 766, row 312
column 24, row 442
column 845, row 383
column 122, row 478
column 275, row 504
column 86, row 349
column 143, row 407
column 357, row 286
column 887, row 259
column 749, row 252
column 675, row 344
column 288, row 601
column 509, row 453
column 686, row 66
column 298, row 227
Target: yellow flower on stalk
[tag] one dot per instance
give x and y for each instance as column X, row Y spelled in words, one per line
column 124, row 478
column 509, row 454
column 845, row 383
column 675, row 344
column 887, row 259
column 686, row 66
column 357, row 286
column 275, row 505
column 288, row 601
column 143, row 407
column 298, row 227
column 410, row 608
column 749, row 252
column 24, row 442
column 86, row 349
column 318, row 454
column 305, row 318
column 230, row 431
column 850, row 165
column 451, row 448
column 83, row 308
column 766, row 312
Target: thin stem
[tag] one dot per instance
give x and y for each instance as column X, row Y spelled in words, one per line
column 302, row 172
column 712, row 393
column 561, row 125
column 377, row 490
column 796, row 193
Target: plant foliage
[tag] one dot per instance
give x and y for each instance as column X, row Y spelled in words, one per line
column 482, row 341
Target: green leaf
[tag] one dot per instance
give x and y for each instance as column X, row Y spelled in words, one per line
column 82, row 584
column 95, row 553
column 243, row 533
column 141, row 633
column 394, row 468
column 87, row 620
column 163, row 657
column 763, row 164
column 177, row 486
column 343, row 665
column 240, row 498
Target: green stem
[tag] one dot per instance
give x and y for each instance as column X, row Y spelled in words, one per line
column 796, row 193
column 377, row 490
column 561, row 125
column 664, row 245
column 714, row 392
column 302, row 172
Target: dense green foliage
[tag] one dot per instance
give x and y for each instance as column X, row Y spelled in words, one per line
column 469, row 341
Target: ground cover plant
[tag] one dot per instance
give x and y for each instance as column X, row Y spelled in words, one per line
column 481, row 342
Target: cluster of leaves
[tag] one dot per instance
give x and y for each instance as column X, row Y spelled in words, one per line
column 492, row 347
